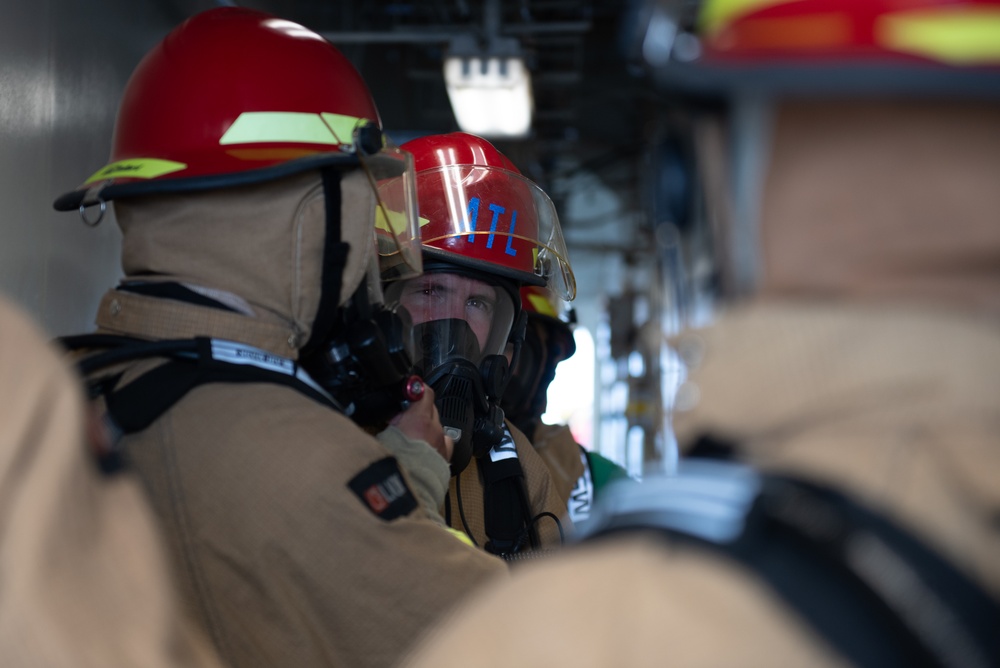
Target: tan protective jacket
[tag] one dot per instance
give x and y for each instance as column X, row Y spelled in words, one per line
column 561, row 454
column 628, row 604
column 282, row 561
column 899, row 407
column 465, row 497
column 85, row 579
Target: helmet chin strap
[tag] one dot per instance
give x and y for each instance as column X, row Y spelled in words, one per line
column 356, row 351
column 335, row 251
column 518, row 332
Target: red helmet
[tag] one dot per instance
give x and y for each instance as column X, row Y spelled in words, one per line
column 477, row 211
column 953, row 32
column 234, row 96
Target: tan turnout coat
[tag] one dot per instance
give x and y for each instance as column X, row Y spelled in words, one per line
column 85, row 581
column 280, row 561
column 899, row 407
column 561, row 453
column 543, row 496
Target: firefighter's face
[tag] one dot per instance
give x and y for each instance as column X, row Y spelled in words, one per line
column 438, row 296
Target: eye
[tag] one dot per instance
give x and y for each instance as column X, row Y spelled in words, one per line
column 426, row 289
column 480, row 304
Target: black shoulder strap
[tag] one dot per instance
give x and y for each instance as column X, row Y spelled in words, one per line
column 137, row 405
column 189, row 363
column 507, row 512
column 890, row 599
column 877, row 594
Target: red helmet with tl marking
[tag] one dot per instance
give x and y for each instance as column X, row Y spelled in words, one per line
column 478, row 211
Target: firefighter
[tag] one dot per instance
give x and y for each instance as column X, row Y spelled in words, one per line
column 243, row 174
column 836, row 503
column 80, row 552
column 579, row 474
column 486, row 231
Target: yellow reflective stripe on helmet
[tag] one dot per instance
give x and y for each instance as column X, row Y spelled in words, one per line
column 715, row 14
column 257, row 127
column 137, row 168
column 341, row 126
column 542, row 305
column 461, row 536
column 962, row 36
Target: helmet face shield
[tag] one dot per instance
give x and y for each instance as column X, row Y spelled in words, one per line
column 493, row 220
column 397, row 229
column 543, row 302
column 498, row 219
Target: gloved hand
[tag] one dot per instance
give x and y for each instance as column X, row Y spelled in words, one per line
column 421, row 421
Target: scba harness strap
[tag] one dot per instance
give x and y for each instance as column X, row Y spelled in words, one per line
column 507, row 512
column 507, row 520
column 188, row 364
column 878, row 594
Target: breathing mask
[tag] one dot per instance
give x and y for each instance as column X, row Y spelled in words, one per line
column 461, row 335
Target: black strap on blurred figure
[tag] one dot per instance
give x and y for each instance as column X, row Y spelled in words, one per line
column 878, row 594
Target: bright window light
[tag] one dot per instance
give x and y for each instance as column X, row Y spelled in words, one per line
column 571, row 394
column 492, row 101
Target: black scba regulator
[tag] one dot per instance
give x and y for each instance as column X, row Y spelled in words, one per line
column 368, row 369
column 467, row 395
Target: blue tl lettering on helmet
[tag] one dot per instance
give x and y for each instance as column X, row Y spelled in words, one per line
column 473, row 216
column 497, row 210
column 510, row 239
column 473, row 211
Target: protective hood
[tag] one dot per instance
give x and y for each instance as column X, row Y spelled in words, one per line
column 258, row 248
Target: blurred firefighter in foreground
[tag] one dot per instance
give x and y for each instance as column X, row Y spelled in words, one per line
column 85, row 580
column 245, row 176
column 838, row 503
column 486, row 231
column 577, row 473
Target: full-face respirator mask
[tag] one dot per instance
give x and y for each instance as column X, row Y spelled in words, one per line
column 461, row 340
column 367, row 368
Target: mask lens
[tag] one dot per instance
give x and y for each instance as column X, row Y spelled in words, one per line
column 487, row 310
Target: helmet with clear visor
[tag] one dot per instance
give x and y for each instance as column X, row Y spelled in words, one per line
column 486, row 230
column 235, row 96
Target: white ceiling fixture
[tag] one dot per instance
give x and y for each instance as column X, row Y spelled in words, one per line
column 489, row 88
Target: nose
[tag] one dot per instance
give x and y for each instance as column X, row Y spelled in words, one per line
column 455, row 308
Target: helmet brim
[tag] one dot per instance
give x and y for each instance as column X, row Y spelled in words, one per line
column 111, row 189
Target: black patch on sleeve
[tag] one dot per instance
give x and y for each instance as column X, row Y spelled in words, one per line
column 382, row 488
